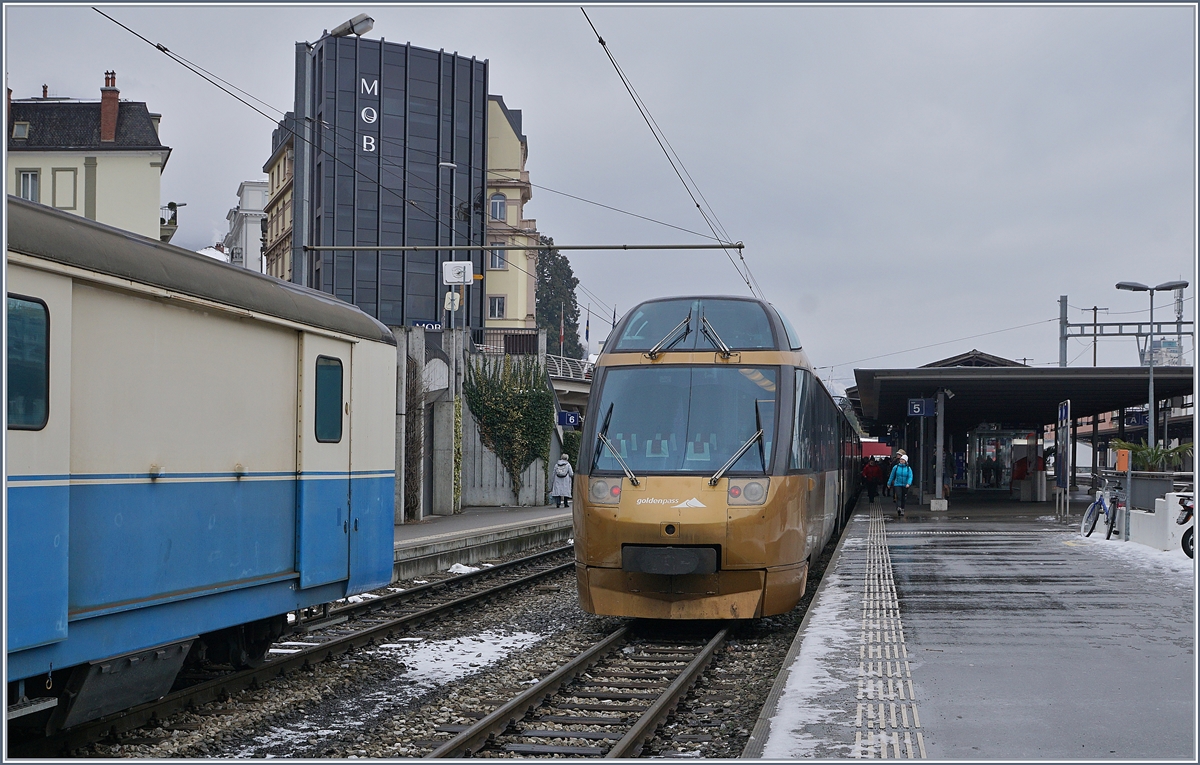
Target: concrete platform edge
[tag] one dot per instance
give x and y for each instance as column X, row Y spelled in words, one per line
column 471, row 547
column 762, row 728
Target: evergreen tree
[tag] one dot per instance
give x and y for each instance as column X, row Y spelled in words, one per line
column 556, row 284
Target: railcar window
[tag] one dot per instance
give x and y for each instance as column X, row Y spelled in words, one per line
column 742, row 324
column 815, row 426
column 685, row 419
column 329, row 400
column 793, row 337
column 28, row 363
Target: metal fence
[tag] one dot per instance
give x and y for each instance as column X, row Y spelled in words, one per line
column 569, row 369
column 512, row 342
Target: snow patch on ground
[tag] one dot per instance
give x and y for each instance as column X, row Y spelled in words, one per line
column 817, row 671
column 1170, row 564
column 459, row 568
column 426, row 666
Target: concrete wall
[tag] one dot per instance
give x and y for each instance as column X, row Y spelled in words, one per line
column 485, row 482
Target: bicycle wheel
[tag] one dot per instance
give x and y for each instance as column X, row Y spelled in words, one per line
column 1090, row 518
column 1110, row 521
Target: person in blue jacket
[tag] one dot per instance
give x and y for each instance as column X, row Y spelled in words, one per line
column 900, row 479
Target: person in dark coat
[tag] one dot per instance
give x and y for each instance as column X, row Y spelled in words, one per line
column 872, row 474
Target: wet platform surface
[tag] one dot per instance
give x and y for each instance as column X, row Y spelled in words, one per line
column 992, row 631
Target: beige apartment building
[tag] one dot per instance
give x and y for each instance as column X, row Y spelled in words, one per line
column 279, row 169
column 510, row 276
column 98, row 159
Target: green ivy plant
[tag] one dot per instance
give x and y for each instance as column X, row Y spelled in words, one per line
column 1147, row 457
column 514, row 407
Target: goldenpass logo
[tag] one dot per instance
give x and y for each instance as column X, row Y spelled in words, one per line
column 655, row 501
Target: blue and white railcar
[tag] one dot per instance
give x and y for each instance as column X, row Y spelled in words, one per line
column 194, row 451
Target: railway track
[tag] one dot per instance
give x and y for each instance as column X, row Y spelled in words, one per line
column 317, row 636
column 606, row 702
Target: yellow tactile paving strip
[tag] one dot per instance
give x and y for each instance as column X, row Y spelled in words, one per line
column 887, row 723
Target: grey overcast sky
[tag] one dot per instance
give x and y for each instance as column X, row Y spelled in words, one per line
column 901, row 176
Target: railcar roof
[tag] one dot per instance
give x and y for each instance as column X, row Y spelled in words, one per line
column 43, row 232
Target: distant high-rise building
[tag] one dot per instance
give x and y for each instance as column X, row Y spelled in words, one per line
column 98, row 159
column 390, row 149
column 510, row 278
column 278, row 238
column 244, row 242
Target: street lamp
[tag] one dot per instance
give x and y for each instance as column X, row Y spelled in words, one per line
column 359, row 25
column 1139, row 287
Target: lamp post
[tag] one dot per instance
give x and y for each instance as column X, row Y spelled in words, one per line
column 1139, row 287
column 454, row 256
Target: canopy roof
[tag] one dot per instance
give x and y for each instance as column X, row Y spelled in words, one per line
column 1016, row 395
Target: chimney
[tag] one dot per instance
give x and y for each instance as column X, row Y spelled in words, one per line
column 45, row 91
column 108, row 108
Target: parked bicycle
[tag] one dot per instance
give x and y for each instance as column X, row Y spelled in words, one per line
column 1106, row 503
column 1188, row 507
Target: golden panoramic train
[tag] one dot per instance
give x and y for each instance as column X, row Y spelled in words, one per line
column 714, row 465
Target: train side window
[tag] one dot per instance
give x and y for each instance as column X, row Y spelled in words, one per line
column 801, row 457
column 28, row 363
column 792, row 336
column 329, row 400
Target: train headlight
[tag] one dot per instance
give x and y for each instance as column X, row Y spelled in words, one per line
column 748, row 491
column 605, row 491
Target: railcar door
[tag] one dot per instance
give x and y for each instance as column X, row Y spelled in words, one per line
column 38, row 349
column 323, row 460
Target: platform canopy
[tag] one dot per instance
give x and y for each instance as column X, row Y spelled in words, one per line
column 1014, row 394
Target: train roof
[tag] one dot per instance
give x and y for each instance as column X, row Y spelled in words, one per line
column 43, row 232
column 743, row 332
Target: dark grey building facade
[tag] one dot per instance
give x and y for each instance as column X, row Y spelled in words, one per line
column 376, row 123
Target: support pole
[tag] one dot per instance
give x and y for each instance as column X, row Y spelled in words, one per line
column 1074, row 483
column 1062, row 330
column 939, row 451
column 1095, row 452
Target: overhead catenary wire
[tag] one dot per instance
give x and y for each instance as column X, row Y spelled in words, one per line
column 215, row 79
column 946, row 342
column 660, row 139
column 209, row 77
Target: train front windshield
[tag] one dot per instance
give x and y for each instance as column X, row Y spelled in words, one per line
column 685, row 419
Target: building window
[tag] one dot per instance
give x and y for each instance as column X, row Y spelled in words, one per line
column 28, row 363
column 329, row 400
column 495, row 306
column 20, row 130
column 499, row 209
column 496, row 260
column 29, row 185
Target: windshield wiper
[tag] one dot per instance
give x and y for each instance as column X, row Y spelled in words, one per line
column 628, row 473
column 736, row 456
column 663, row 345
column 602, row 439
column 713, row 337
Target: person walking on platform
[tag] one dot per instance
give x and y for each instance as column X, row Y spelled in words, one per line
column 561, row 491
column 872, row 473
column 900, row 479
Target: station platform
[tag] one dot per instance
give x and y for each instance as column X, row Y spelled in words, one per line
column 990, row 631
column 477, row 533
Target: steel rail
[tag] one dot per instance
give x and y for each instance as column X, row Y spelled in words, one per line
column 479, row 734
column 411, row 593
column 631, row 744
column 473, row 738
column 220, row 687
